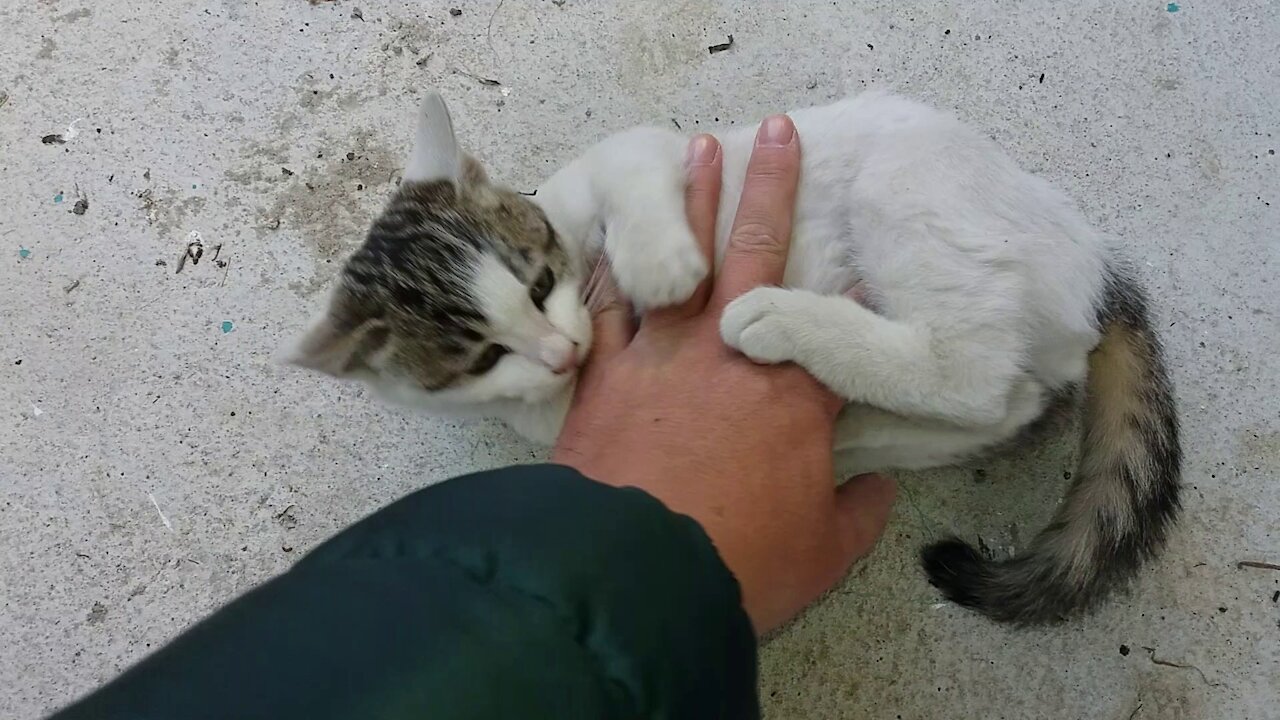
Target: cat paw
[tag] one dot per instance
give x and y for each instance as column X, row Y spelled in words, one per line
column 656, row 262
column 759, row 325
column 540, row 422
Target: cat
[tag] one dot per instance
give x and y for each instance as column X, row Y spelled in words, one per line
column 986, row 295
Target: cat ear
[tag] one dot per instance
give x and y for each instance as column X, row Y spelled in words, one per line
column 337, row 348
column 472, row 172
column 435, row 154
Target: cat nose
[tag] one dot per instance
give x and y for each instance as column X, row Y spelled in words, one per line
column 560, row 354
column 569, row 362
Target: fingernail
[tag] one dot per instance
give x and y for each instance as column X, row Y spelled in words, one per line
column 702, row 151
column 775, row 131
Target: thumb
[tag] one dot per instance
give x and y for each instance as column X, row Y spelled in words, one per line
column 862, row 510
column 611, row 314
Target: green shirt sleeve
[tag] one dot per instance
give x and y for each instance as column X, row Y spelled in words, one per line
column 528, row 592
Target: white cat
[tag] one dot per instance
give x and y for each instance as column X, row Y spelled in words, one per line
column 987, row 295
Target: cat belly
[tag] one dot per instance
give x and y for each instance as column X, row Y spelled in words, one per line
column 869, row 439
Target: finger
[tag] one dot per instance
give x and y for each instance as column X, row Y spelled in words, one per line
column 761, row 235
column 611, row 314
column 703, row 164
column 862, row 510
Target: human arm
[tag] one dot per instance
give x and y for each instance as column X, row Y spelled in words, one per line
column 526, row 592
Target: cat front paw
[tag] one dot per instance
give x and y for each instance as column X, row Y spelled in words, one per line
column 656, row 261
column 540, row 423
column 760, row 323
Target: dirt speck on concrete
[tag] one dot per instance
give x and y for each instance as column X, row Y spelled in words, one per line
column 97, row 614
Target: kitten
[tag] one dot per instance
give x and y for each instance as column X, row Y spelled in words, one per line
column 991, row 296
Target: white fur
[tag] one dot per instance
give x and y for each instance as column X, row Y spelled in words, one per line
column 984, row 279
column 551, row 338
column 632, row 185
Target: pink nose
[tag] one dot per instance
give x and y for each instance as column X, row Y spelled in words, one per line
column 568, row 362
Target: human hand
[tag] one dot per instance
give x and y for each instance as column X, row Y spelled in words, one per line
column 744, row 449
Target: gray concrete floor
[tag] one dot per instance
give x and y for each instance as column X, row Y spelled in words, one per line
column 154, row 462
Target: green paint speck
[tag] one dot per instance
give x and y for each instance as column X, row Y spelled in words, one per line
column 1173, row 7
column 24, row 253
column 57, row 198
column 228, row 326
column 193, row 187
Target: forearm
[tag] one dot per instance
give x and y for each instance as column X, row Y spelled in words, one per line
column 525, row 592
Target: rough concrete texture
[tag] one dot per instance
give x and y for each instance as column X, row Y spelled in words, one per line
column 156, row 462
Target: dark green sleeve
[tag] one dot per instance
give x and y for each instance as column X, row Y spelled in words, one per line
column 528, row 592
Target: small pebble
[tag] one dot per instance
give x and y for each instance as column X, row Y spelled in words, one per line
column 455, row 11
column 1124, row 649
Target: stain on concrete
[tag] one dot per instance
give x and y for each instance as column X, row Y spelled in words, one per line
column 286, row 518
column 1259, row 448
column 1168, row 693
column 317, row 90
column 169, row 213
column 662, row 44
column 1209, row 162
column 75, row 15
column 407, row 36
column 329, row 201
column 47, row 46
column 97, row 614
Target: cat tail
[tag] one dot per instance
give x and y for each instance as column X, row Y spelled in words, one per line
column 1123, row 498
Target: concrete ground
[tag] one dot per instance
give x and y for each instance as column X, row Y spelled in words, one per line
column 154, row 462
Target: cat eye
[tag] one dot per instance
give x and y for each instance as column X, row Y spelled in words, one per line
column 541, row 288
column 488, row 359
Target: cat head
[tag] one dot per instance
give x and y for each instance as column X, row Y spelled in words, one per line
column 461, row 294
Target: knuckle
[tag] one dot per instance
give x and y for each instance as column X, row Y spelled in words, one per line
column 701, row 198
column 755, row 236
column 771, row 169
